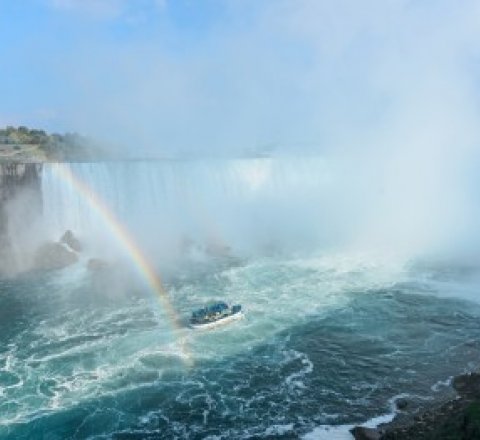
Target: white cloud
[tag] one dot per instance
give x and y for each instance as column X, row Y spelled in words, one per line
column 297, row 71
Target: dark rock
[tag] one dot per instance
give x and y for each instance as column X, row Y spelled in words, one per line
column 468, row 385
column 401, row 404
column 458, row 418
column 71, row 241
column 52, row 256
column 471, row 422
column 362, row 433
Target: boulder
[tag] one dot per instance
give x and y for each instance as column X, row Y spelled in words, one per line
column 468, row 385
column 471, row 422
column 52, row 256
column 401, row 404
column 363, row 433
column 71, row 241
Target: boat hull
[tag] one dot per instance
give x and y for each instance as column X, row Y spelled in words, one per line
column 219, row 322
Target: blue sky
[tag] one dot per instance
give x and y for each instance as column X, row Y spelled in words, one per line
column 228, row 76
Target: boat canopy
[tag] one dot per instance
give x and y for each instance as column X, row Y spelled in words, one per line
column 218, row 307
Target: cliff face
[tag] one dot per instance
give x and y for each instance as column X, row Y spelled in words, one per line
column 14, row 177
column 20, row 205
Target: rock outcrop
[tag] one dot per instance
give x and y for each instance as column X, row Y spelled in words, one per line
column 457, row 419
column 71, row 241
column 58, row 255
column 51, row 256
column 363, row 433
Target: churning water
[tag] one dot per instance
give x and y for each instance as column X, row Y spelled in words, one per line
column 328, row 339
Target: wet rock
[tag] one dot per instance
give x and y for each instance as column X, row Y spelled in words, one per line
column 51, row 256
column 71, row 241
column 362, row 433
column 471, row 422
column 401, row 404
column 468, row 385
column 458, row 418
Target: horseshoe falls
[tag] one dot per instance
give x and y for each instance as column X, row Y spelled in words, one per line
column 245, row 204
column 347, row 309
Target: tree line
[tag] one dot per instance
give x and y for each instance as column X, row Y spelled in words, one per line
column 58, row 147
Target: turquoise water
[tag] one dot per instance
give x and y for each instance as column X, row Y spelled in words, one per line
column 325, row 341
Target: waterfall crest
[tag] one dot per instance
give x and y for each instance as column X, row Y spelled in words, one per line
column 242, row 203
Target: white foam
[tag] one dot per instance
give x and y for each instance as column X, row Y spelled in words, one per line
column 326, row 432
column 437, row 386
column 294, row 379
column 279, row 429
column 277, row 294
column 342, row 432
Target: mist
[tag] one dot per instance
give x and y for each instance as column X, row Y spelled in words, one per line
column 310, row 167
column 383, row 95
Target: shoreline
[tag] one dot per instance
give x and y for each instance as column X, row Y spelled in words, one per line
column 455, row 417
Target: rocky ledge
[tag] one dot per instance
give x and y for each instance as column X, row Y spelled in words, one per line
column 456, row 419
column 59, row 254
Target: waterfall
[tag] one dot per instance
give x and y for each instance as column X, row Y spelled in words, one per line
column 239, row 203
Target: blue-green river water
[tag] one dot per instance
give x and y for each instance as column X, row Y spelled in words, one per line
column 324, row 342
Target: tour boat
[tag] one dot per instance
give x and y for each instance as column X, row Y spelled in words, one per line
column 215, row 314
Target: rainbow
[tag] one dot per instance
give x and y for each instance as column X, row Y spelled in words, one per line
column 125, row 239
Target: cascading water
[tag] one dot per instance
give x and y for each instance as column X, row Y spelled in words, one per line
column 239, row 203
column 329, row 337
